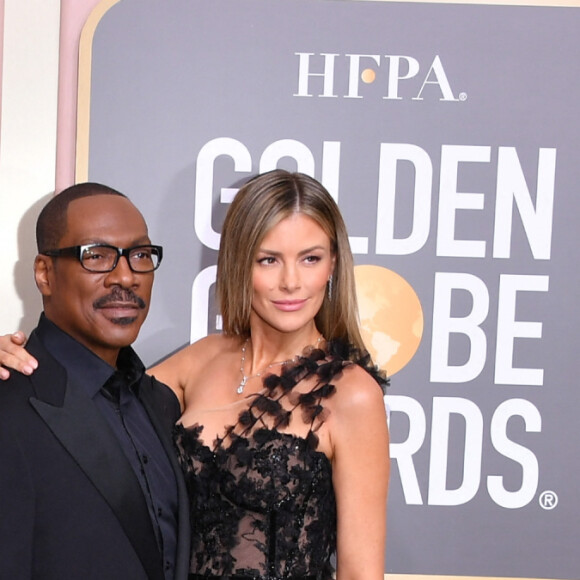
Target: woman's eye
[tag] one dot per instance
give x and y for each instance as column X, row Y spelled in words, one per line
column 312, row 259
column 267, row 260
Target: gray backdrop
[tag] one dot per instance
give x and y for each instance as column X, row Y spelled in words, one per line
column 456, row 168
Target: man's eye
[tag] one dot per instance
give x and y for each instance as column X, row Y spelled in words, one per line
column 93, row 256
column 142, row 255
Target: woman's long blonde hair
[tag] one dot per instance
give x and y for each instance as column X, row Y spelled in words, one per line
column 259, row 205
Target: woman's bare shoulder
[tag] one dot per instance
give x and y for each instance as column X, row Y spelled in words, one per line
column 210, row 346
column 356, row 389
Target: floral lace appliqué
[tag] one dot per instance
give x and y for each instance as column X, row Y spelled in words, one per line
column 262, row 501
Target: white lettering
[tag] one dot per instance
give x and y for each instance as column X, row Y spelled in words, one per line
column 403, row 452
column 304, row 74
column 512, row 186
column 443, row 408
column 508, row 329
column 204, row 183
column 395, row 73
column 200, row 302
column 450, row 200
column 499, row 439
column 444, row 325
column 440, row 80
column 331, row 167
column 391, row 154
column 354, row 73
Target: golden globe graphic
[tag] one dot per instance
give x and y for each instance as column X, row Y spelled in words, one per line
column 391, row 316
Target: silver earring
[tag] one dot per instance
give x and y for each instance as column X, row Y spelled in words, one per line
column 330, row 287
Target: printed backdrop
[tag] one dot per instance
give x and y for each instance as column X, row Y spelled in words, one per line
column 448, row 133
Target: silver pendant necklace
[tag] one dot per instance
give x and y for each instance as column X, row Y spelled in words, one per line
column 246, row 378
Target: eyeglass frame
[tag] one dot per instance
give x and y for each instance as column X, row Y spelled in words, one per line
column 77, row 252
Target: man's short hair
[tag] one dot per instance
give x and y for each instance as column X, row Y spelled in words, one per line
column 52, row 221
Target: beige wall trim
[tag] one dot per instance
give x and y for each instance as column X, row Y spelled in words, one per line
column 84, row 88
column 423, row 577
column 551, row 3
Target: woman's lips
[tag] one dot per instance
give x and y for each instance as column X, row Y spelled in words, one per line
column 289, row 305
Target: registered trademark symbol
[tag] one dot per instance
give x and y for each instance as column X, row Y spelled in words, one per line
column 548, row 500
column 463, row 96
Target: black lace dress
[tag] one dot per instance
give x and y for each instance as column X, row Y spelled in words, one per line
column 262, row 501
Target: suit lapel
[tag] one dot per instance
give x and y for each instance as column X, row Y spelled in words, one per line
column 87, row 437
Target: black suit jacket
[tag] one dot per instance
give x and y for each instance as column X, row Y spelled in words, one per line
column 70, row 504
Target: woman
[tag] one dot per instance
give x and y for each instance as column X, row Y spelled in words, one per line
column 283, row 438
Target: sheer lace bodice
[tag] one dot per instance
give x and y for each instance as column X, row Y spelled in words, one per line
column 262, row 500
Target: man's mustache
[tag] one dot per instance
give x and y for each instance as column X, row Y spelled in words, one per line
column 119, row 295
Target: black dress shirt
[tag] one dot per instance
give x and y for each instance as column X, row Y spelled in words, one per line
column 129, row 421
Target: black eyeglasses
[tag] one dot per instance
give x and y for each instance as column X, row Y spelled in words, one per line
column 102, row 258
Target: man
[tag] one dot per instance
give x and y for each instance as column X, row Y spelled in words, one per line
column 89, row 484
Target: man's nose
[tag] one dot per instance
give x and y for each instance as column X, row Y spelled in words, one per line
column 122, row 274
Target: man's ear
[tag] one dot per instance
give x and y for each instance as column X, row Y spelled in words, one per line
column 43, row 268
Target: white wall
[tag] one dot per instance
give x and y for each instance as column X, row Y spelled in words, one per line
column 27, row 146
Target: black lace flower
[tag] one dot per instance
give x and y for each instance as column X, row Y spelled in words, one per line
column 262, row 501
